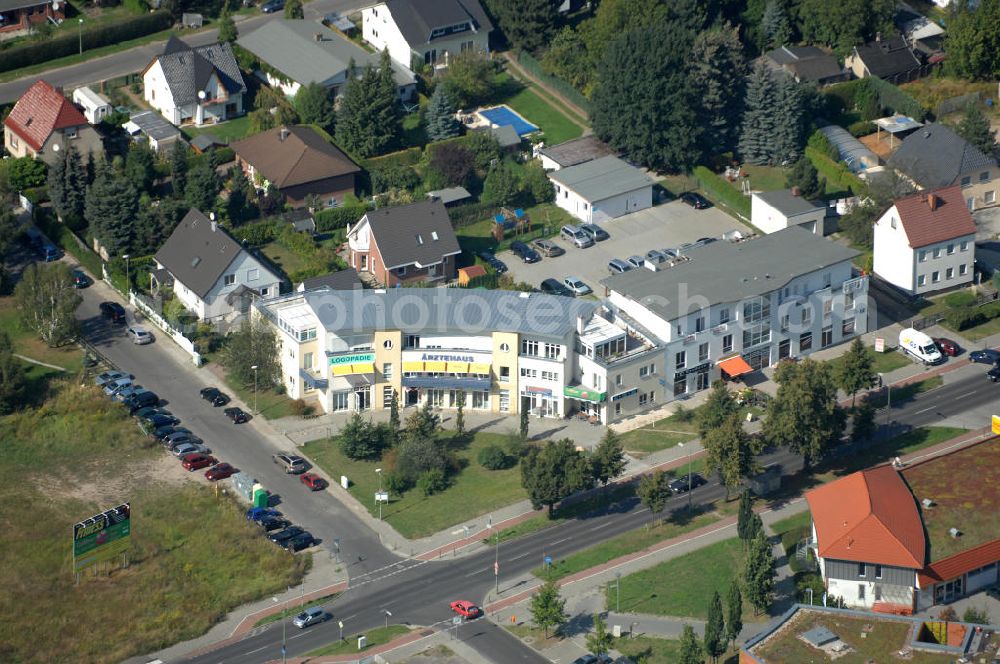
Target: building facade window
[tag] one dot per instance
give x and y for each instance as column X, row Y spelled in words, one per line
column 937, row 252
column 699, row 324
column 935, row 277
column 387, row 344
column 806, row 315
column 680, row 359
column 727, row 343
column 505, row 374
column 805, row 341
column 756, row 335
column 552, row 351
column 949, row 273
column 387, row 370
column 529, row 373
column 411, row 341
column 848, row 327
column 757, row 310
column 922, row 255
column 307, row 361
column 643, row 372
column 229, row 279
column 529, row 347
column 504, row 401
column 922, row 280
column 680, row 385
column 827, row 339
column 387, row 395
column 723, row 315
column 308, row 334
column 703, row 352
column 962, row 269
column 878, row 571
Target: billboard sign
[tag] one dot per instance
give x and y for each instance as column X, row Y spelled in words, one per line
column 102, row 537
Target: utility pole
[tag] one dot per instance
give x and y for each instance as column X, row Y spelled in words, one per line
column 80, row 33
column 254, row 367
column 378, row 496
column 496, row 563
column 128, row 286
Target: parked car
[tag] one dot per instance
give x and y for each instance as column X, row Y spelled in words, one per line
column 49, row 253
column 198, row 461
column 316, row 614
column 219, row 472
column 524, row 252
column 498, row 265
column 697, row 201
column 237, row 415
column 313, row 481
column 258, row 513
column 576, row 237
column 596, row 233
column 994, row 374
column 636, row 261
column 184, row 449
column 287, row 532
column 115, row 386
column 486, row 254
column 656, row 257
column 80, row 280
column 947, row 346
column 466, row 609
column 272, row 6
column 161, row 433
column 985, row 356
column 113, row 311
column 553, row 287
column 682, row 483
column 705, row 240
column 577, row 286
column 271, row 523
column 299, row 542
column 127, row 393
column 184, row 439
column 213, row 396
column 109, row 376
column 548, row 248
column 141, row 413
column 140, row 336
column 144, row 399
column 162, row 419
column 290, row 463
column 618, row 266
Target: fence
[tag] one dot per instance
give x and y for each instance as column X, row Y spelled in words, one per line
column 956, row 104
column 534, row 67
column 723, row 192
column 138, row 301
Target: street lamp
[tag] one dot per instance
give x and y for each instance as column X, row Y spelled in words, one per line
column 388, row 614
column 283, row 621
column 128, row 286
column 687, row 461
column 496, row 563
column 80, row 33
column 254, row 367
column 378, row 496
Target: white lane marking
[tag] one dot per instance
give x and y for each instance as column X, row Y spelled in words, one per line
column 924, row 410
column 523, row 555
column 603, row 525
column 559, row 541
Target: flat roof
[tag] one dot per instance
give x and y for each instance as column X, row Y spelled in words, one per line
column 602, row 178
column 450, row 194
column 787, row 203
column 965, row 488
column 896, row 124
column 154, row 125
column 577, row 151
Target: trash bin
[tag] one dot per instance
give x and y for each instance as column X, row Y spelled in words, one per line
column 261, row 498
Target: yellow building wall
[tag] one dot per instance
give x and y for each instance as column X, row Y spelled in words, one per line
column 506, row 358
column 393, row 356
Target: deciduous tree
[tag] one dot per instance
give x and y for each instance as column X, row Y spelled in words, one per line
column 253, row 344
column 600, row 640
column 526, row 24
column 608, row 457
column 843, row 24
column 12, row 377
column 455, row 164
column 804, row 416
column 714, row 640
column 554, row 471
column 691, row 652
column 973, row 40
column 730, row 452
column 654, row 491
column 501, row 186
column 548, row 608
column 856, row 370
column 718, row 407
column 469, row 81
column 863, row 420
column 293, row 9
column 47, row 302
column 25, row 173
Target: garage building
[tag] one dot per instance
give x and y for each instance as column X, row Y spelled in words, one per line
column 602, row 189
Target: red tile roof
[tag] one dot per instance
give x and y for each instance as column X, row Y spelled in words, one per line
column 949, row 219
column 41, row 110
column 869, row 516
column 957, row 565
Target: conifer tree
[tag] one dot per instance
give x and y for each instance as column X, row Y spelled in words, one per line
column 714, row 641
column 756, row 144
column 440, row 114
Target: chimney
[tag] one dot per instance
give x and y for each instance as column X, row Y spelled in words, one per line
column 796, row 191
column 283, row 134
column 932, row 202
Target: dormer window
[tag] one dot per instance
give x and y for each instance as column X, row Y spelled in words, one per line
column 420, row 240
column 70, row 132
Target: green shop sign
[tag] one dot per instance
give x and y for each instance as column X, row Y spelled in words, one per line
column 584, row 394
column 352, row 358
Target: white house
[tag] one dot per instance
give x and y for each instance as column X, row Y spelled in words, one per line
column 426, row 31
column 602, row 189
column 926, row 242
column 95, row 106
column 772, row 211
column 194, row 85
column 212, row 274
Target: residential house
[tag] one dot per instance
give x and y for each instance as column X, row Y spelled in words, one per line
column 602, row 189
column 154, row 128
column 935, row 157
column 43, row 122
column 889, row 59
column 926, row 242
column 772, row 211
column 925, row 37
column 573, row 152
column 426, row 31
column 189, row 85
column 300, row 163
column 299, row 52
column 405, row 245
column 807, row 64
column 95, row 106
column 18, row 16
column 213, row 275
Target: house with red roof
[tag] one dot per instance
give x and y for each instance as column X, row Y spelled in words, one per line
column 43, row 122
column 926, row 242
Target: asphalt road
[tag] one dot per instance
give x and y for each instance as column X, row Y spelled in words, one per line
column 134, row 59
column 968, row 391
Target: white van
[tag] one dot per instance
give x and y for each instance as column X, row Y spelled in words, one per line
column 920, row 346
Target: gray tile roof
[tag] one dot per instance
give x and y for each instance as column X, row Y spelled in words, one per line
column 601, row 178
column 346, row 279
column 196, row 254
column 442, row 310
column 887, row 58
column 936, row 157
column 405, row 235
column 505, row 136
column 450, row 194
column 784, row 202
column 188, row 70
column 723, row 272
column 577, row 151
column 291, row 47
column 417, row 19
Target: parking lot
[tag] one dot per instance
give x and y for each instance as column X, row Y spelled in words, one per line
column 667, row 225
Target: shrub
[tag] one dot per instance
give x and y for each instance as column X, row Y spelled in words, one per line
column 331, row 219
column 516, row 447
column 419, row 455
column 860, row 128
column 433, row 481
column 300, row 408
column 961, row 319
column 258, row 233
column 492, row 457
column 960, row 299
column 722, row 191
column 396, row 177
column 395, row 483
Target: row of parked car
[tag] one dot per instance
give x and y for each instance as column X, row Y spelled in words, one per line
column 280, row 530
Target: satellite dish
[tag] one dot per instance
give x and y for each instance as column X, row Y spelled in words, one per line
column 201, row 94
column 55, row 148
column 55, row 5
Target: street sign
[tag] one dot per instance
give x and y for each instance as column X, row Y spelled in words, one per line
column 996, row 424
column 548, row 560
column 340, row 624
column 879, row 345
column 381, row 496
column 456, row 620
column 362, row 642
column 344, row 482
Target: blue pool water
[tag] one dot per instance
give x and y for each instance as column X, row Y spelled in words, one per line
column 502, row 115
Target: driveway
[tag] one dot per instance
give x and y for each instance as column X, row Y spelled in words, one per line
column 987, row 223
column 667, row 225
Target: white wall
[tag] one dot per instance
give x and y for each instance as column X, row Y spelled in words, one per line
column 893, row 258
column 769, row 219
column 476, row 343
column 157, row 94
column 608, row 208
column 379, row 29
column 214, row 304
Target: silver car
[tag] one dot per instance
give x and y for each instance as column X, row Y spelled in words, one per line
column 636, row 261
column 109, row 376
column 188, row 448
column 577, row 286
column 617, row 266
column 140, row 336
column 116, row 386
column 310, row 617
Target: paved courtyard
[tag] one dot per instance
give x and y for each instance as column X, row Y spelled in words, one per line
column 667, row 225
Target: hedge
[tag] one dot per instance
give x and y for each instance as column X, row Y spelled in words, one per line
column 534, row 67
column 258, row 233
column 67, row 240
column 407, row 157
column 339, row 217
column 963, row 319
column 68, row 42
column 836, row 172
column 723, row 192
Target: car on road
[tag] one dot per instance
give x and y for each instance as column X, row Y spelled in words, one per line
column 994, row 374
column 258, row 513
column 682, row 483
column 140, row 336
column 80, row 280
column 553, row 287
column 577, row 286
column 113, row 312
column 985, row 356
column 182, row 450
column 290, row 463
column 466, row 609
column 299, row 542
column 524, row 252
column 591, row 658
column 109, row 376
column 213, row 396
column 947, row 346
column 219, row 472
column 596, row 233
column 287, row 532
column 272, row 6
column 548, row 248
column 162, row 419
column 705, row 240
column 237, row 415
column 697, row 201
column 198, row 461
column 313, row 481
column 316, row 614
column 637, row 261
column 618, row 266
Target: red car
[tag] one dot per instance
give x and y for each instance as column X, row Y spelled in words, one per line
column 197, row 461
column 219, row 472
column 947, row 346
column 313, row 481
column 466, row 609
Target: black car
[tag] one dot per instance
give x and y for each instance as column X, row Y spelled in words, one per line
column 985, row 356
column 80, row 280
column 160, row 433
column 237, row 415
column 272, row 6
column 214, row 396
column 270, row 523
column 524, row 252
column 697, row 201
column 498, row 265
column 683, row 483
column 113, row 311
column 141, row 400
column 288, row 533
column 161, row 420
column 553, row 287
column 993, row 374
column 299, row 542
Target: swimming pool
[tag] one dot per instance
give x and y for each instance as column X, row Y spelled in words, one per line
column 504, row 115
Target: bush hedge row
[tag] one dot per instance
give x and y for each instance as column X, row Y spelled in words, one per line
column 963, row 319
column 723, row 192
column 331, row 219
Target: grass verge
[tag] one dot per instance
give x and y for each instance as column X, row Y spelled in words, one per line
column 294, row 610
column 660, row 435
column 651, row 650
column 556, row 126
column 349, row 646
column 883, row 362
column 26, row 343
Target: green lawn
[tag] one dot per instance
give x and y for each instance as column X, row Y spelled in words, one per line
column 556, row 126
column 473, row 492
column 288, row 261
column 228, row 131
column 546, row 219
column 883, row 362
column 683, row 586
column 765, row 178
column 660, row 435
column 349, row 646
column 28, row 344
column 270, row 404
column 680, row 522
column 652, row 650
column 902, row 444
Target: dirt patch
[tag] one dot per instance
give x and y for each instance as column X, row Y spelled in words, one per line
column 437, row 655
column 163, row 469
